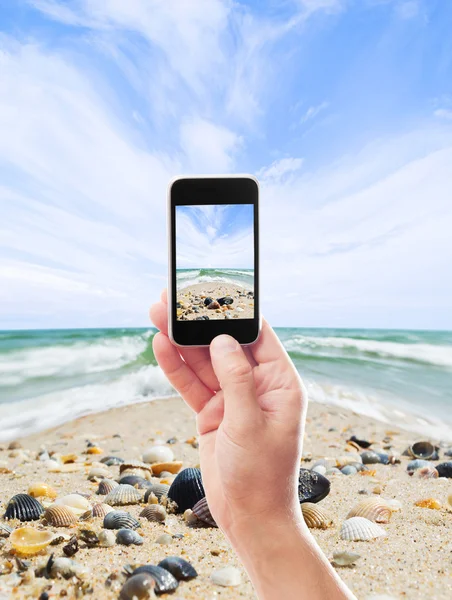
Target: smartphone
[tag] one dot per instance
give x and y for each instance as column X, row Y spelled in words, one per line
column 213, row 259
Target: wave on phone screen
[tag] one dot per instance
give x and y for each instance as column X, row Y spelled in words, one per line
column 214, row 262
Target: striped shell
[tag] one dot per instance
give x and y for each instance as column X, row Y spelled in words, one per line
column 135, row 481
column 128, row 537
column 315, row 517
column 74, row 502
column 187, row 489
column 28, row 540
column 100, row 509
column 118, row 519
column 202, row 512
column 122, row 495
column 170, row 467
column 59, row 516
column 24, row 508
column 158, row 489
column 106, row 486
column 154, row 512
column 373, row 509
column 135, row 467
column 360, row 529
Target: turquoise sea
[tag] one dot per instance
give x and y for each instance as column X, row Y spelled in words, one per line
column 241, row 277
column 401, row 377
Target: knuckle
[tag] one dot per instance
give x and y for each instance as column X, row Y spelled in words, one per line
column 240, row 372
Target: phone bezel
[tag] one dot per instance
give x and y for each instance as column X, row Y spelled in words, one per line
column 195, row 190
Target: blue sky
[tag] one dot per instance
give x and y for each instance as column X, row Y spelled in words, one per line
column 342, row 108
column 215, row 236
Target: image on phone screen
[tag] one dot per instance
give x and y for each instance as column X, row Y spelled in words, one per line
column 215, row 262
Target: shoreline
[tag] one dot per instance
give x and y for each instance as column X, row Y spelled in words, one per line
column 397, row 565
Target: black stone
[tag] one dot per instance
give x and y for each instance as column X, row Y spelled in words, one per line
column 445, row 469
column 208, row 301
column 312, row 487
column 225, row 300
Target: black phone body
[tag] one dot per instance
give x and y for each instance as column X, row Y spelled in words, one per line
column 213, row 259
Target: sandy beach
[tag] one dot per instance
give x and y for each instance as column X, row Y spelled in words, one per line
column 413, row 560
column 228, row 301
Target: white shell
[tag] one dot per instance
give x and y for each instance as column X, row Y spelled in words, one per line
column 374, row 509
column 360, row 529
column 227, row 576
column 74, row 502
column 123, row 494
column 157, row 454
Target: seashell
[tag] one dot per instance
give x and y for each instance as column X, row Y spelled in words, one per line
column 152, row 498
column 360, row 529
column 24, row 508
column 164, row 581
column 74, row 502
column 5, row 530
column 154, row 512
column 106, row 538
column 89, row 537
column 445, row 469
column 333, row 471
column 319, row 469
column 351, row 459
column 14, row 445
column 180, row 568
column 65, row 567
column 361, row 443
column 171, row 467
column 100, row 509
column 312, row 487
column 226, row 576
column 164, row 539
column 94, row 450
column 449, row 500
column 428, row 472
column 68, row 458
column 123, row 494
column 187, row 489
column 71, row 547
column 135, row 481
column 106, row 486
column 369, row 457
column 413, row 465
column 136, row 465
column 40, row 489
column 189, row 517
column 422, row 450
column 159, row 489
column 55, row 467
column 373, row 509
column 138, row 587
column 448, row 452
column 128, row 537
column 345, row 558
column 394, row 505
column 98, row 473
column 157, row 454
column 60, row 516
column 429, row 503
column 202, row 512
column 118, row 519
column 110, row 461
column 349, row 470
column 315, row 517
column 28, row 540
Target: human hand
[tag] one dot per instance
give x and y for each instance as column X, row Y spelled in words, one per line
column 250, row 409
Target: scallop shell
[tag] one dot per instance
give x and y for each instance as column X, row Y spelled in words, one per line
column 100, row 509
column 138, row 587
column 60, row 516
column 315, row 517
column 164, row 581
column 158, row 489
column 41, row 489
column 445, row 469
column 128, row 537
column 171, row 467
column 345, row 558
column 373, row 509
column 429, row 503
column 312, row 487
column 24, row 508
column 28, row 540
column 74, row 502
column 106, row 486
column 157, row 454
column 154, row 512
column 136, row 467
column 109, row 461
column 187, row 489
column 122, row 495
column 360, row 529
column 202, row 512
column 118, row 519
column 135, row 481
column 179, row 568
column 428, row 472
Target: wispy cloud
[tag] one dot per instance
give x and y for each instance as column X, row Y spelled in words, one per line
column 443, row 113
column 313, row 111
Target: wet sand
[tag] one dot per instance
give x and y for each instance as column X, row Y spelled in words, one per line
column 413, row 561
column 192, row 302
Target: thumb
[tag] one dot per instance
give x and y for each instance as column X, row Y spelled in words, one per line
column 236, row 379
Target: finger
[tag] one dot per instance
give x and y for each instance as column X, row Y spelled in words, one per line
column 164, row 296
column 197, row 358
column 235, row 375
column 179, row 374
column 269, row 349
column 211, row 415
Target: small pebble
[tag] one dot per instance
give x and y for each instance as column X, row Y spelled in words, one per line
column 227, row 576
column 107, row 538
column 164, row 539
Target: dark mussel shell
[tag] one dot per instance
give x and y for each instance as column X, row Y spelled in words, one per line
column 369, row 457
column 361, row 443
column 312, row 486
column 445, row 469
column 135, row 480
column 159, row 489
column 178, row 567
column 187, row 489
column 119, row 519
column 24, row 508
column 164, row 581
column 128, row 537
column 112, row 460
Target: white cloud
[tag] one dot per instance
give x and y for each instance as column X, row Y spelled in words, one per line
column 279, row 169
column 443, row 113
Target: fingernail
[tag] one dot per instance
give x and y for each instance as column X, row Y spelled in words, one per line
column 225, row 344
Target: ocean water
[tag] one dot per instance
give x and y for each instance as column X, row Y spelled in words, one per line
column 401, row 377
column 241, row 277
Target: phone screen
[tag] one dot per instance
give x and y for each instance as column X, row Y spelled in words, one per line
column 215, row 262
